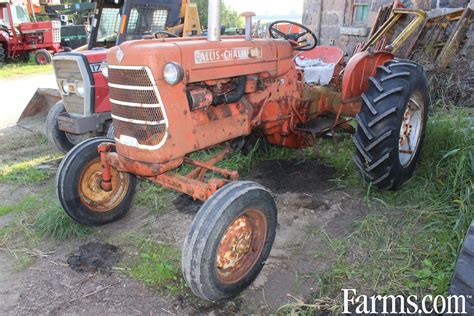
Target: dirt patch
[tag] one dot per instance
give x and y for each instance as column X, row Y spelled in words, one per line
column 6, row 220
column 283, row 176
column 309, row 209
column 94, row 256
column 186, row 204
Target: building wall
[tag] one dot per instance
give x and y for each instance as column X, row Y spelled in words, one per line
column 332, row 20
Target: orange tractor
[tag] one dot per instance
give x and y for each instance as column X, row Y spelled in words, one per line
column 174, row 97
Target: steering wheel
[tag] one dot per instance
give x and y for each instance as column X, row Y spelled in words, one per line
column 164, row 34
column 301, row 37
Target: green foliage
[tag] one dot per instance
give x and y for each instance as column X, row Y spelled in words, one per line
column 158, row 265
column 26, row 204
column 25, row 172
column 18, row 68
column 229, row 17
column 153, row 197
column 409, row 242
column 55, row 223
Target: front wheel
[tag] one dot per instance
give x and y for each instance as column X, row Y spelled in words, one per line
column 230, row 239
column 43, row 57
column 78, row 185
column 392, row 123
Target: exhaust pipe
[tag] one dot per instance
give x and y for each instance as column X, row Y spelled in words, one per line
column 248, row 24
column 214, row 21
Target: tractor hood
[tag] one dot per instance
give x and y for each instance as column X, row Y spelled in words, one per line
column 204, row 60
column 95, row 56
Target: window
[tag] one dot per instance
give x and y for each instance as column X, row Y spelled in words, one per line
column 19, row 15
column 145, row 21
column 360, row 13
column 108, row 25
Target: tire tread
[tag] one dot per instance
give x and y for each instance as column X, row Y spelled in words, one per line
column 377, row 134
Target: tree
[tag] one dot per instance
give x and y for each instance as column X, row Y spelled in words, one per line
column 229, row 17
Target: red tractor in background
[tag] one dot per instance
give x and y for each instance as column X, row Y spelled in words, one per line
column 84, row 110
column 19, row 37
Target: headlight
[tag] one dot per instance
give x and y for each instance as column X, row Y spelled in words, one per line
column 104, row 67
column 65, row 87
column 80, row 89
column 173, row 73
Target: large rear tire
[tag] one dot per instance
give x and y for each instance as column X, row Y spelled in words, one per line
column 229, row 241
column 463, row 278
column 79, row 190
column 57, row 137
column 392, row 123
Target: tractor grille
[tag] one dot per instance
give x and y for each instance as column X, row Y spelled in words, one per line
column 138, row 115
column 134, row 96
column 134, row 77
column 69, row 70
column 56, row 31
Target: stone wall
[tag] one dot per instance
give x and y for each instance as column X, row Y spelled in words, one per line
column 331, row 20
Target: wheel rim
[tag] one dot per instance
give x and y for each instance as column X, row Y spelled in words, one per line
column 411, row 129
column 41, row 59
column 91, row 193
column 241, row 246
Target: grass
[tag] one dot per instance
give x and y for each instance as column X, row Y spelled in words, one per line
column 12, row 143
column 409, row 242
column 155, row 264
column 153, row 197
column 53, row 222
column 26, row 204
column 37, row 217
column 10, row 70
column 26, row 172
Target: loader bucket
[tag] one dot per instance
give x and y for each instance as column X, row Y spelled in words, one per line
column 34, row 115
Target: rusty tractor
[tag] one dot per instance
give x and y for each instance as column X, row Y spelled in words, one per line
column 174, row 97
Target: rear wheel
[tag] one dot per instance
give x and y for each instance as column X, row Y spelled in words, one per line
column 43, row 57
column 392, row 123
column 60, row 139
column 79, row 189
column 230, row 239
column 463, row 278
column 25, row 57
column 3, row 55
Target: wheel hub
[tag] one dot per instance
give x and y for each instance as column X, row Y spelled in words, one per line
column 235, row 244
column 411, row 130
column 241, row 246
column 94, row 196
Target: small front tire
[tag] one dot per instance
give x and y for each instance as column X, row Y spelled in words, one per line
column 229, row 241
column 43, row 57
column 79, row 190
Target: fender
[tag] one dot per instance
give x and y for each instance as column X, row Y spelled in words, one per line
column 358, row 70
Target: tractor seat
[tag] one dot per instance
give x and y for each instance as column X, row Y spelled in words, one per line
column 320, row 64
